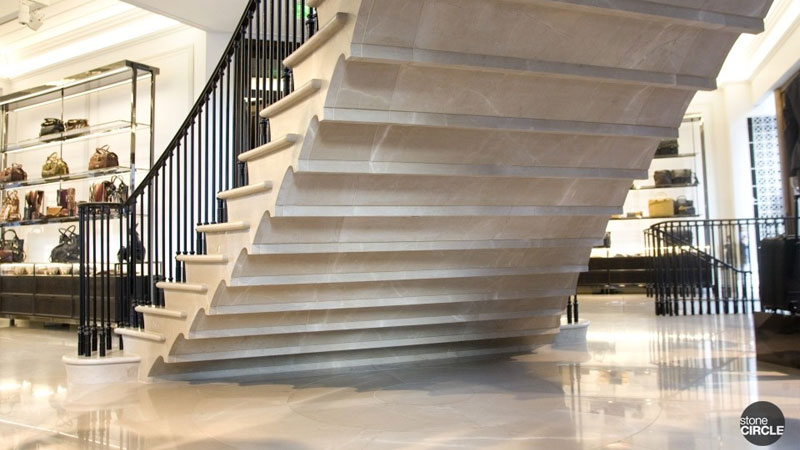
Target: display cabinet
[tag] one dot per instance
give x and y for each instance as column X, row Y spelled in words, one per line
column 110, row 107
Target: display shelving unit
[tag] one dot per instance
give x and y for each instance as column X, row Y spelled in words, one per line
column 118, row 100
column 623, row 263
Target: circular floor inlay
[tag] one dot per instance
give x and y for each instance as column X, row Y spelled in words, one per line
column 443, row 393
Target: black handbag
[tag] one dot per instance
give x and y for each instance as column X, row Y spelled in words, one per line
column 138, row 250
column 662, row 178
column 11, row 249
column 667, row 148
column 684, row 207
column 682, row 176
column 68, row 249
column 51, row 126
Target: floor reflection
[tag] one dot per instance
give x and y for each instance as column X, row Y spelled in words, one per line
column 640, row 382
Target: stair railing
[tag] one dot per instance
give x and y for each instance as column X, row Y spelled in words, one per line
column 127, row 248
column 707, row 266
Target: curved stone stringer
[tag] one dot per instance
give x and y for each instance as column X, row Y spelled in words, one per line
column 436, row 181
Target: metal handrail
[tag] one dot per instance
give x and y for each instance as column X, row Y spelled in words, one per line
column 158, row 220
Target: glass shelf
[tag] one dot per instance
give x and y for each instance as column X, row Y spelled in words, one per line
column 77, row 135
column 668, row 186
column 46, row 220
column 116, row 74
column 679, row 155
column 70, row 177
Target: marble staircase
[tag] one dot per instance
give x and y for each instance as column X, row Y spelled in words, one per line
column 436, row 181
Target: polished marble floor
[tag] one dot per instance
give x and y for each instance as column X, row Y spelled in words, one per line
column 641, row 382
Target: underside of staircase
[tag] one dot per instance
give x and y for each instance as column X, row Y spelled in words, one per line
column 435, row 182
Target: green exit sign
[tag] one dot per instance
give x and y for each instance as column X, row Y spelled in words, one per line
column 302, row 11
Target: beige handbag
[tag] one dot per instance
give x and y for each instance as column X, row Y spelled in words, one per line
column 661, row 206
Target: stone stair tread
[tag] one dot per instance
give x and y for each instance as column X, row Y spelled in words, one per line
column 366, row 324
column 255, row 353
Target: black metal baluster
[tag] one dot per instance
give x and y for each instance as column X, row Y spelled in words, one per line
column 209, row 174
column 214, row 163
column 273, row 51
column 101, row 332
column 190, row 222
column 174, row 212
column 109, row 269
column 82, row 283
column 199, row 186
column 119, row 286
column 153, row 227
column 93, row 232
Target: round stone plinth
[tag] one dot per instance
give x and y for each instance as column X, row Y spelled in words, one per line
column 96, row 370
column 572, row 335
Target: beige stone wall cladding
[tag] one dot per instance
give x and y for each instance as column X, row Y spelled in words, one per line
column 436, row 182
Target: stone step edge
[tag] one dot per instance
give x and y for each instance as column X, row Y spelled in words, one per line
column 427, row 274
column 267, row 308
column 270, row 148
column 161, row 312
column 369, row 324
column 244, row 191
column 183, row 287
column 257, row 249
column 363, row 345
column 223, row 227
column 464, row 170
column 425, row 57
column 203, row 259
column 296, row 97
column 138, row 334
column 325, row 33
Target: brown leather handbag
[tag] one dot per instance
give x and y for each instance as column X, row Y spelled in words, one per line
column 73, row 125
column 66, row 200
column 54, row 166
column 10, row 210
column 103, row 158
column 34, row 201
column 100, row 192
column 13, row 173
column 11, row 250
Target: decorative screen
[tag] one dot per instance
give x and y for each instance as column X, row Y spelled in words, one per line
column 766, row 164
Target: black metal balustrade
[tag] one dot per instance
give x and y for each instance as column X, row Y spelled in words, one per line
column 708, row 266
column 159, row 219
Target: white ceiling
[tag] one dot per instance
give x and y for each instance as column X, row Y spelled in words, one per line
column 70, row 29
column 208, row 15
column 8, row 10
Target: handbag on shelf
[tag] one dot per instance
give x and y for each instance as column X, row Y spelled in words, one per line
column 66, row 200
column 682, row 176
column 103, row 158
column 138, row 250
column 53, row 211
column 684, row 207
column 661, row 206
column 117, row 190
column 10, row 209
column 99, row 192
column 54, row 166
column 11, row 250
column 13, row 173
column 77, row 124
column 34, row 201
column 662, row 178
column 49, row 127
column 68, row 249
column 667, row 148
